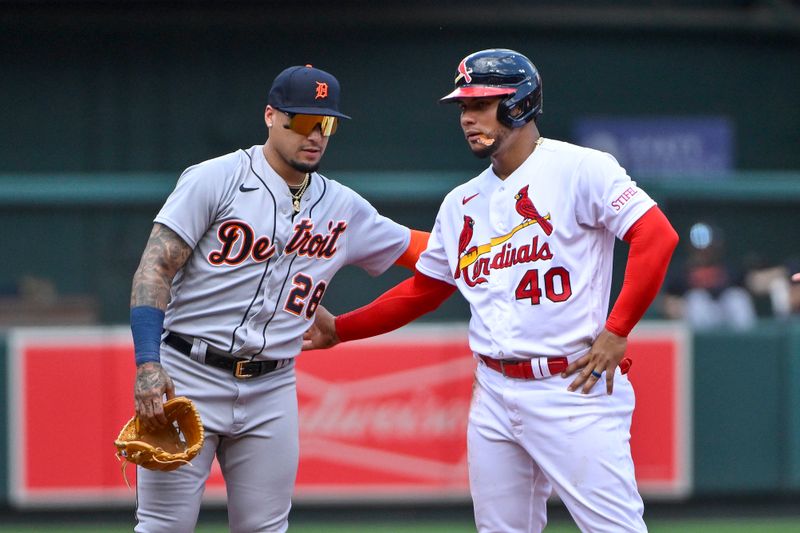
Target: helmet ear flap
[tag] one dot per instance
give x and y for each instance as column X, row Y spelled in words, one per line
column 517, row 110
column 521, row 108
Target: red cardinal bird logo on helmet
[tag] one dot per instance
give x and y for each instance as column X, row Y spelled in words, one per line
column 464, row 239
column 464, row 71
column 528, row 211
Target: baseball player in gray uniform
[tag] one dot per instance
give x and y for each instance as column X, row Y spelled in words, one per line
column 237, row 263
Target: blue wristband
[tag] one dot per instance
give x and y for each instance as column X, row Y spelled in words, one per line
column 146, row 326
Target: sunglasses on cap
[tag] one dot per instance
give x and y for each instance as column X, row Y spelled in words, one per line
column 305, row 124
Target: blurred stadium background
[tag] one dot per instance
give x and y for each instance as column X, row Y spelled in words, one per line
column 105, row 103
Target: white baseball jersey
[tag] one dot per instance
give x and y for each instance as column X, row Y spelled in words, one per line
column 257, row 273
column 530, row 293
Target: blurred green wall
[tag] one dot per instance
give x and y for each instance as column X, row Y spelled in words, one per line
column 88, row 88
column 86, row 232
column 104, row 103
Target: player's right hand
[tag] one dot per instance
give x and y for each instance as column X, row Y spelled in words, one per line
column 322, row 333
column 152, row 383
column 796, row 277
column 603, row 357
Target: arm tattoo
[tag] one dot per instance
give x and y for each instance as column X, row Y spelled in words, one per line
column 164, row 255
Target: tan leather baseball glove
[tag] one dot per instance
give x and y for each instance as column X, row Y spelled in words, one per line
column 167, row 448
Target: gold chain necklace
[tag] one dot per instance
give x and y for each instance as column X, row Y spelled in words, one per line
column 299, row 194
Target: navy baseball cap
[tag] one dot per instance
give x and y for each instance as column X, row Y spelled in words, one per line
column 306, row 90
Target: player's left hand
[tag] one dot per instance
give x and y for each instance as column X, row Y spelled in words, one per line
column 322, row 333
column 604, row 356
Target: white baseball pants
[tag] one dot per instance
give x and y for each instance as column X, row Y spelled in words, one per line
column 529, row 437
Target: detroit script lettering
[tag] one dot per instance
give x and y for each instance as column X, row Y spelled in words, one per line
column 238, row 242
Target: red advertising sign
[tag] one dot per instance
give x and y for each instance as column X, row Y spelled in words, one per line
column 661, row 437
column 386, row 417
column 379, row 419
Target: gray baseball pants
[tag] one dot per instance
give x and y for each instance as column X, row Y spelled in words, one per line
column 251, row 427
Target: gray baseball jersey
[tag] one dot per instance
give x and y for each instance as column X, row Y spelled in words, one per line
column 255, row 278
column 257, row 273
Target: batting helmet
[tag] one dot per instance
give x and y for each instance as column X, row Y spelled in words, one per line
column 501, row 72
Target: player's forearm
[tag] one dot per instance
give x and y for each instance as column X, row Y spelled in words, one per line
column 395, row 308
column 417, row 245
column 164, row 254
column 151, row 288
column 652, row 241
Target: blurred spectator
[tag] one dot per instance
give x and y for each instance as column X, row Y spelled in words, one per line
column 39, row 291
column 707, row 292
column 794, row 294
column 770, row 281
column 35, row 301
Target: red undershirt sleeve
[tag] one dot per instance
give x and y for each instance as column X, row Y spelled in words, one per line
column 417, row 245
column 396, row 307
column 652, row 240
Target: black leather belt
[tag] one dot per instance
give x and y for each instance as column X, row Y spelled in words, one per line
column 240, row 368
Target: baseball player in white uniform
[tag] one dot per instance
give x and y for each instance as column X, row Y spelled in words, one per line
column 237, row 264
column 529, row 243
